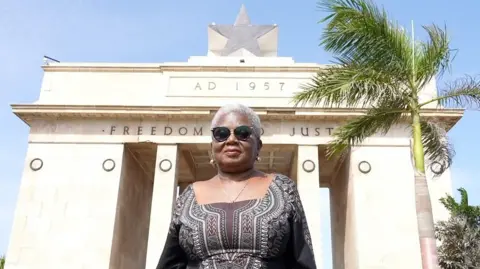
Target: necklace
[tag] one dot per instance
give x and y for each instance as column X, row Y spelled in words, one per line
column 238, row 195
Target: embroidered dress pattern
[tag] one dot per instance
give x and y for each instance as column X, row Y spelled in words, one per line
column 259, row 233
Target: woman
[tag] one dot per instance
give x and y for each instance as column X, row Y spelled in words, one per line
column 242, row 217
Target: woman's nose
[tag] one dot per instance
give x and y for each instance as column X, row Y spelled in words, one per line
column 232, row 138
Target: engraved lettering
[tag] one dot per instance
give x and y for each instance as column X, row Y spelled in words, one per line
column 211, row 86
column 304, row 133
column 242, row 85
column 197, row 132
column 198, row 87
column 182, row 131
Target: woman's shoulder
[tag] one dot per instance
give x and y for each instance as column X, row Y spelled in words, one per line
column 283, row 180
column 185, row 196
column 291, row 194
column 285, row 183
column 188, row 192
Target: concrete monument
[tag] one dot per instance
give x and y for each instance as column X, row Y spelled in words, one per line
column 112, row 144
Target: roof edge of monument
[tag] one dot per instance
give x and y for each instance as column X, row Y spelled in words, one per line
column 152, row 68
column 32, row 112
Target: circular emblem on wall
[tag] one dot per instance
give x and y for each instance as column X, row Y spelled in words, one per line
column 364, row 167
column 308, row 166
column 437, row 168
column 36, row 164
column 108, row 165
column 165, row 165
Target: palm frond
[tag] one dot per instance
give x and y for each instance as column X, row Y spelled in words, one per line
column 461, row 93
column 434, row 56
column 463, row 197
column 460, row 243
column 450, row 204
column 436, row 145
column 359, row 29
column 462, row 209
column 349, row 85
column 377, row 120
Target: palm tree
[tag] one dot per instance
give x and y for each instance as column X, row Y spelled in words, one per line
column 460, row 234
column 2, row 262
column 469, row 212
column 460, row 248
column 379, row 67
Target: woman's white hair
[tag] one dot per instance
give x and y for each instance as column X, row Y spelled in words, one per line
column 240, row 110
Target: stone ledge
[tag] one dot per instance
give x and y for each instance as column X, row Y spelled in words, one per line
column 174, row 68
column 30, row 112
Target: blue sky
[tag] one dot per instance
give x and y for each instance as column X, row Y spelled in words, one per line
column 166, row 31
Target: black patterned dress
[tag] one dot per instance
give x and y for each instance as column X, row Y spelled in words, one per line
column 267, row 233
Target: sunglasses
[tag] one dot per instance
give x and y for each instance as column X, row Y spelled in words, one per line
column 242, row 133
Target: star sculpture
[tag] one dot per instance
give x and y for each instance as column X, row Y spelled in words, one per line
column 242, row 34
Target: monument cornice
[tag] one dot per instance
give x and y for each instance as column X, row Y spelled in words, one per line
column 32, row 112
column 149, row 68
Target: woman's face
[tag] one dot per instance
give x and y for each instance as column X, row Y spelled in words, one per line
column 234, row 145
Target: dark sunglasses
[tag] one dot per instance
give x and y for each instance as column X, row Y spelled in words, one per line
column 221, row 134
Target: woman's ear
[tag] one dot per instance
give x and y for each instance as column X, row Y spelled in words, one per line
column 259, row 145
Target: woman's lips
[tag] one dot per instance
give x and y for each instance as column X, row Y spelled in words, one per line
column 232, row 152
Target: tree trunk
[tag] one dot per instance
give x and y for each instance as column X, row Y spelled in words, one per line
column 426, row 228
